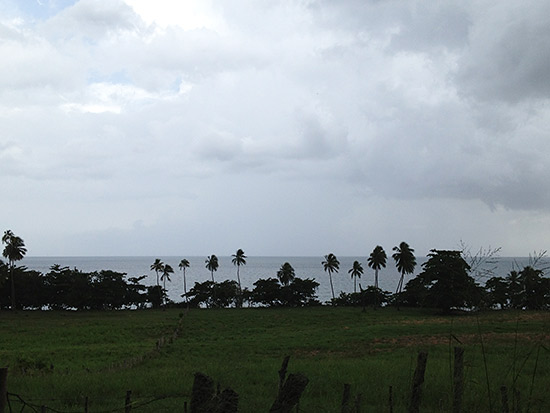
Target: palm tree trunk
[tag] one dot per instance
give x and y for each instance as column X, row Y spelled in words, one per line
column 212, row 272
column 239, row 278
column 12, row 288
column 164, row 288
column 184, row 286
column 376, row 278
column 331, row 286
column 355, row 284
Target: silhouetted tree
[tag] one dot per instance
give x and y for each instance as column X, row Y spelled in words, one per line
column 331, row 264
column 286, row 274
column 239, row 259
column 376, row 261
column 166, row 271
column 535, row 289
column 157, row 266
column 447, row 282
column 405, row 262
column 212, row 265
column 356, row 271
column 183, row 265
column 14, row 250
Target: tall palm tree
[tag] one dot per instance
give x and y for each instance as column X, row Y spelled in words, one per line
column 356, row 271
column 286, row 274
column 166, row 271
column 184, row 263
column 157, row 266
column 239, row 259
column 212, row 264
column 331, row 264
column 405, row 262
column 14, row 251
column 376, row 261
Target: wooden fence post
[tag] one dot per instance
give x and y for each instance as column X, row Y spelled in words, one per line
column 346, row 407
column 128, row 402
column 504, row 397
column 418, row 380
column 390, row 399
column 86, row 405
column 3, row 388
column 290, row 393
column 458, row 380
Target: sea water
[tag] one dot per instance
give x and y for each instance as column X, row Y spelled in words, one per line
column 256, row 268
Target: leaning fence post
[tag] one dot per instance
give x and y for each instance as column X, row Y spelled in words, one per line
column 3, row 388
column 504, row 397
column 128, row 402
column 346, row 398
column 390, row 399
column 418, row 380
column 458, row 380
column 86, row 405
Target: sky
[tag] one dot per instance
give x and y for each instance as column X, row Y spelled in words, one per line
column 132, row 127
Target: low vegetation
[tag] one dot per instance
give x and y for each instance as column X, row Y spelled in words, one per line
column 60, row 358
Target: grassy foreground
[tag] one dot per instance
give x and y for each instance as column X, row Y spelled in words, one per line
column 58, row 359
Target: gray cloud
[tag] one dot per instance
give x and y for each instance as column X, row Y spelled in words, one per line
column 237, row 134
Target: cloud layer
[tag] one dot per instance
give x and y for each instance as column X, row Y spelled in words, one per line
column 290, row 127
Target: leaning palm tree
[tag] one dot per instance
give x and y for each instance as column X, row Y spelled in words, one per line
column 405, row 262
column 157, row 266
column 166, row 271
column 212, row 264
column 356, row 271
column 376, row 261
column 286, row 274
column 331, row 264
column 184, row 263
column 239, row 259
column 14, row 251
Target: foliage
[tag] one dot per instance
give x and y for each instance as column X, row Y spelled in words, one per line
column 296, row 293
column 239, row 259
column 405, row 262
column 356, row 271
column 377, row 261
column 444, row 283
column 286, row 274
column 371, row 296
column 526, row 289
column 14, row 250
column 63, row 288
column 212, row 264
column 330, row 265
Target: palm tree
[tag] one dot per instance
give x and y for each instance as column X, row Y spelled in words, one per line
column 166, row 271
column 14, row 251
column 356, row 271
column 183, row 265
column 376, row 261
column 212, row 264
column 404, row 261
column 286, row 274
column 239, row 259
column 157, row 266
column 331, row 264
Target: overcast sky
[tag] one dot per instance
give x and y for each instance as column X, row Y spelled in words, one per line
column 137, row 127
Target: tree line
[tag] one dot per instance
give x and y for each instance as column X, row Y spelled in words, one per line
column 445, row 282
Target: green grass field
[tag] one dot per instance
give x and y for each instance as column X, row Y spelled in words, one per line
column 58, row 359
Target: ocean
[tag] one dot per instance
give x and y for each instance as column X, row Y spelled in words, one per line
column 255, row 268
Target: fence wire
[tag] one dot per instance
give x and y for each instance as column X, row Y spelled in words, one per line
column 27, row 405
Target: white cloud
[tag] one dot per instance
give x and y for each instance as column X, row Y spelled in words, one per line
column 292, row 125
